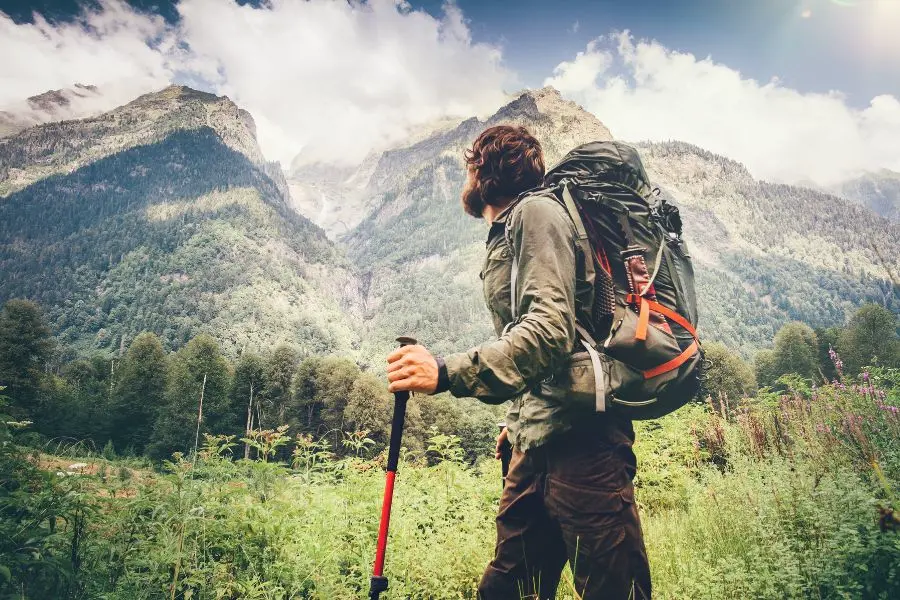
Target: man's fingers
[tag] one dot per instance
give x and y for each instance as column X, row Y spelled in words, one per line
column 399, row 353
column 400, row 374
column 396, row 365
column 402, row 385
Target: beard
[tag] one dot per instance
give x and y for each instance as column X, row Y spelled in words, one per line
column 472, row 201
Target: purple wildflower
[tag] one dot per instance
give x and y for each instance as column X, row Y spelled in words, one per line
column 838, row 363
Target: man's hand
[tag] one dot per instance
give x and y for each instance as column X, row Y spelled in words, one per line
column 501, row 441
column 412, row 369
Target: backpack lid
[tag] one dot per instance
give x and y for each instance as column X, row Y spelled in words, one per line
column 611, row 162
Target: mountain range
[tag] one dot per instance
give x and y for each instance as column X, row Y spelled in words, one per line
column 163, row 215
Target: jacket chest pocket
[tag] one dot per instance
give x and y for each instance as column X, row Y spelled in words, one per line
column 495, row 281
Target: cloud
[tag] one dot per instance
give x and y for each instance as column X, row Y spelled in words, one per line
column 331, row 79
column 123, row 52
column 644, row 91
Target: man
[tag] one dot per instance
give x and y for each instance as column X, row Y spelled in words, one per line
column 569, row 493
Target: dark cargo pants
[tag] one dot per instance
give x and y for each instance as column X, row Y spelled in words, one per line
column 569, row 501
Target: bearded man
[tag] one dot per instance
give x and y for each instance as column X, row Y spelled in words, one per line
column 569, row 494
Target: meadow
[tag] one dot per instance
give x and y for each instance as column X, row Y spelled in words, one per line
column 789, row 495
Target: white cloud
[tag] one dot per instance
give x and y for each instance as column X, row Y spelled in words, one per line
column 644, row 91
column 117, row 49
column 335, row 79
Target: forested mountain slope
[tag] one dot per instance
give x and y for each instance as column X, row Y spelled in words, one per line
column 769, row 253
column 765, row 253
column 162, row 215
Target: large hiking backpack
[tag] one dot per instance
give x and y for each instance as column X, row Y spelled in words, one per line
column 641, row 336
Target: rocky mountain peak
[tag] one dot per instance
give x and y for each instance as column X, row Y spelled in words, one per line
column 52, row 100
column 55, row 147
column 559, row 124
column 53, row 105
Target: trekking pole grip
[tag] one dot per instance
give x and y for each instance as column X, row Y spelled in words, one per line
column 400, row 400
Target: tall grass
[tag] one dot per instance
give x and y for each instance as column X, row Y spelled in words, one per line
column 790, row 495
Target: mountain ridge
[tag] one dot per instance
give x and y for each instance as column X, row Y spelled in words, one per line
column 63, row 146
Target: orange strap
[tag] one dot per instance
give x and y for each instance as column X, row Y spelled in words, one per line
column 643, row 321
column 657, row 307
column 674, row 363
column 641, row 332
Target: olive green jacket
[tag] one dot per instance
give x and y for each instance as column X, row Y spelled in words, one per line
column 524, row 363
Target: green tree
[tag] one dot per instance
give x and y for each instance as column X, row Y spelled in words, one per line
column 728, row 374
column 280, row 367
column 139, row 392
column 870, row 337
column 198, row 369
column 795, row 351
column 369, row 408
column 764, row 368
column 76, row 405
column 249, row 378
column 323, row 388
column 25, row 347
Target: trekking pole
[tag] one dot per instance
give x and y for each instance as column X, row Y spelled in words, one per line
column 379, row 582
column 505, row 454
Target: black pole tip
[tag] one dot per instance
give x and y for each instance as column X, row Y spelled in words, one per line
column 405, row 340
column 376, row 586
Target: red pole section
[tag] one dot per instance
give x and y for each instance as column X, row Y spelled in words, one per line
column 385, row 523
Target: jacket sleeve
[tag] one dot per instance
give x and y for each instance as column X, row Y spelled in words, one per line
column 540, row 340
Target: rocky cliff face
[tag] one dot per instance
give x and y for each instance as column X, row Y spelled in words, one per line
column 339, row 197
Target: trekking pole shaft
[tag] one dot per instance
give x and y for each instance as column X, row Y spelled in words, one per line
column 400, row 400
column 379, row 582
column 505, row 454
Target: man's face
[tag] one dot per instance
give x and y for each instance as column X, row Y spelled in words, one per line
column 471, row 197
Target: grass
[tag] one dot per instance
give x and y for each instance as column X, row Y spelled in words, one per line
column 775, row 500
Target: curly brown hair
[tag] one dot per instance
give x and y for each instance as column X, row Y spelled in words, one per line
column 506, row 160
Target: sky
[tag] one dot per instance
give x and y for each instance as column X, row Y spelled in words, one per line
column 798, row 90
